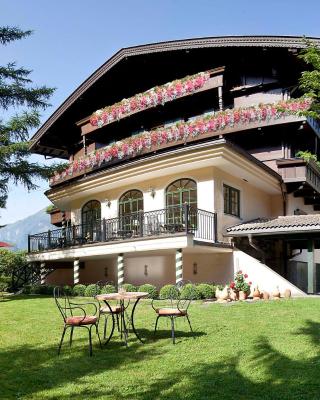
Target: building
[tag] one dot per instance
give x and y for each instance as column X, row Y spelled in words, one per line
column 182, row 163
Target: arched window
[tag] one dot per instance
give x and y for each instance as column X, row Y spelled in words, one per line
column 178, row 193
column 90, row 219
column 130, row 203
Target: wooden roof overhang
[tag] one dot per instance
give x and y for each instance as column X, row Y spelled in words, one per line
column 138, row 68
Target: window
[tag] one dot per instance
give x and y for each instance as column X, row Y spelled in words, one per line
column 90, row 219
column 130, row 203
column 231, row 197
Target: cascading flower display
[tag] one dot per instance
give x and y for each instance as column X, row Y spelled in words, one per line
column 151, row 98
column 182, row 131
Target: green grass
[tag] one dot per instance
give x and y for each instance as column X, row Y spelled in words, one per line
column 243, row 351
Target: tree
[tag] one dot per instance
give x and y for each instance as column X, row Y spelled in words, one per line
column 18, row 92
column 309, row 82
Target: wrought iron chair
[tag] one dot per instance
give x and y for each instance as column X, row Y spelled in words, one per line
column 108, row 311
column 176, row 308
column 67, row 308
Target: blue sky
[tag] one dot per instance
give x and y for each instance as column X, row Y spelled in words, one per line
column 73, row 38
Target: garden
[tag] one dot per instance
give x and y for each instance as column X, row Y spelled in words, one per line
column 243, row 350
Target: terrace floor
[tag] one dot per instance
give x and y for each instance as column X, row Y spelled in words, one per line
column 265, row 350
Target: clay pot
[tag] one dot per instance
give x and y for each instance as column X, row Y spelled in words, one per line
column 222, row 295
column 276, row 294
column 266, row 296
column 287, row 293
column 234, row 295
column 242, row 295
column 256, row 294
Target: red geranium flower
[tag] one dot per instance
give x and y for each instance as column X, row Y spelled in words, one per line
column 250, row 283
column 246, row 275
column 232, row 285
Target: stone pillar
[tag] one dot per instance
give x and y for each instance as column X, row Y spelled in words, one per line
column 179, row 265
column 42, row 273
column 120, row 268
column 311, row 267
column 76, row 271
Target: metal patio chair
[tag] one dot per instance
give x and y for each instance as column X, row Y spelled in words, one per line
column 108, row 311
column 72, row 320
column 174, row 308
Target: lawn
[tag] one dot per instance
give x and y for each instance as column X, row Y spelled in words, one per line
column 266, row 350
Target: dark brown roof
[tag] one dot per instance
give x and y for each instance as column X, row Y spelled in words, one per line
column 283, row 224
column 209, row 42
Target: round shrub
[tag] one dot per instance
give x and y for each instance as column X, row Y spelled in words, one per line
column 92, row 290
column 67, row 290
column 46, row 289
column 152, row 290
column 190, row 292
column 78, row 290
column 169, row 292
column 108, row 289
column 129, row 288
column 206, row 291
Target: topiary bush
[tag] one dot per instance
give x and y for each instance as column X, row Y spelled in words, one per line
column 190, row 292
column 78, row 290
column 206, row 290
column 152, row 290
column 108, row 289
column 92, row 290
column 129, row 288
column 169, row 292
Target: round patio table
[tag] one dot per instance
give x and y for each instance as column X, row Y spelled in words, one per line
column 122, row 298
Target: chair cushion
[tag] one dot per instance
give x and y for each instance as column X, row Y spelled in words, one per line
column 75, row 320
column 171, row 311
column 114, row 310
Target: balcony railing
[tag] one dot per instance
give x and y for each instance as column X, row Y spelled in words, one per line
column 170, row 221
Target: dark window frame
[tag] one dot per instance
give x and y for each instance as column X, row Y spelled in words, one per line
column 231, row 206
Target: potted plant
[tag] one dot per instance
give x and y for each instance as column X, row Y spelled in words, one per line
column 240, row 285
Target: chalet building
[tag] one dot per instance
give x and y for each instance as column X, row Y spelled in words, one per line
column 182, row 164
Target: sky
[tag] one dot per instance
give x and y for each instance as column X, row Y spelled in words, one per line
column 72, row 38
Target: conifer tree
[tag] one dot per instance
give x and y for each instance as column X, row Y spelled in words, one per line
column 20, row 103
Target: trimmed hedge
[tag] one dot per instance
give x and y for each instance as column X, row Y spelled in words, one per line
column 67, row 290
column 190, row 292
column 206, row 290
column 41, row 289
column 152, row 290
column 108, row 289
column 169, row 292
column 78, row 290
column 92, row 290
column 129, row 288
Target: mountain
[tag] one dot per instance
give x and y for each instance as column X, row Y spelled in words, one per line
column 17, row 232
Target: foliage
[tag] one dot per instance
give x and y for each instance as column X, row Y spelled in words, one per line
column 92, row 290
column 308, row 156
column 309, row 81
column 67, row 290
column 9, row 261
column 108, row 289
column 190, row 292
column 41, row 289
column 240, row 283
column 79, row 290
column 151, row 289
column 169, row 292
column 17, row 91
column 206, row 290
column 128, row 287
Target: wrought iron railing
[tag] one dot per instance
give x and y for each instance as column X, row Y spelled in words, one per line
column 170, row 221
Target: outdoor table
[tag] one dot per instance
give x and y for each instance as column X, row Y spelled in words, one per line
column 122, row 298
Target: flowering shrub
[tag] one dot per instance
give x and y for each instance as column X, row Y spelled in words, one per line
column 151, row 98
column 182, row 131
column 239, row 283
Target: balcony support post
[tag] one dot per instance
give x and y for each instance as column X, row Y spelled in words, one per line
column 76, row 271
column 311, row 268
column 120, row 268
column 179, row 265
column 42, row 273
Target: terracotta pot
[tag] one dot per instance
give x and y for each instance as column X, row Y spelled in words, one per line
column 256, row 293
column 287, row 293
column 242, row 295
column 276, row 294
column 266, row 296
column 222, row 295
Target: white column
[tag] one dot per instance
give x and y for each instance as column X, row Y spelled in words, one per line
column 76, row 272
column 179, row 265
column 120, row 268
column 42, row 273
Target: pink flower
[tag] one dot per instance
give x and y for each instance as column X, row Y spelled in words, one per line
column 246, row 275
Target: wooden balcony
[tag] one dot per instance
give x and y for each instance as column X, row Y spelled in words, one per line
column 142, row 225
